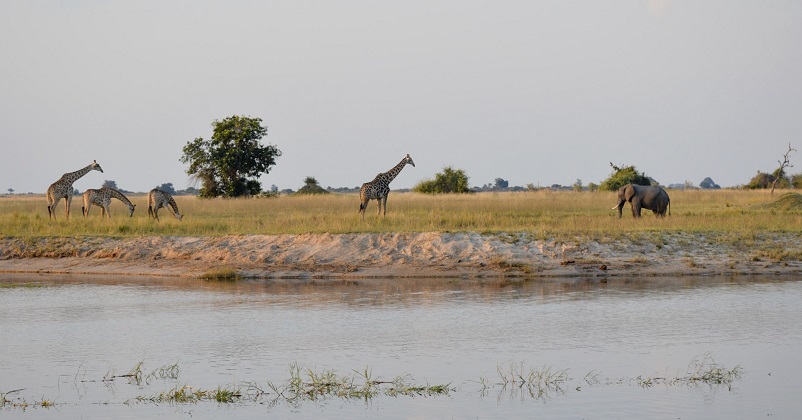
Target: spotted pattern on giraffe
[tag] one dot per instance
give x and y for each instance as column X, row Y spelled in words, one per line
column 63, row 189
column 379, row 188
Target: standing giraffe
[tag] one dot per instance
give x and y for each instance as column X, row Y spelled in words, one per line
column 63, row 189
column 379, row 188
column 158, row 199
column 102, row 198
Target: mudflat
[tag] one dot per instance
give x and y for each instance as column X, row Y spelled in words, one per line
column 404, row 255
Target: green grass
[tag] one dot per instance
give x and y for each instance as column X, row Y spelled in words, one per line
column 542, row 214
column 310, row 385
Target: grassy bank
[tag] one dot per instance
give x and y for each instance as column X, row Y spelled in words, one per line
column 541, row 214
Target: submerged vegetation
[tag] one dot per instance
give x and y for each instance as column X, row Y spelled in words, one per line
column 307, row 385
column 540, row 214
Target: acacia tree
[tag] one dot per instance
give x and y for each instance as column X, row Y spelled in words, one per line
column 230, row 163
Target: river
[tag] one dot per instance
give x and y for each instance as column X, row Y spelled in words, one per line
column 601, row 349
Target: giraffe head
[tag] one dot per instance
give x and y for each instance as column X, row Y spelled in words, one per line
column 131, row 210
column 96, row 166
column 408, row 160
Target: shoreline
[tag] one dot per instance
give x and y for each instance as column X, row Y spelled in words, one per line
column 405, row 255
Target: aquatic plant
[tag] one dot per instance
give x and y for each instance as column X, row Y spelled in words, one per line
column 702, row 370
column 222, row 274
column 538, row 382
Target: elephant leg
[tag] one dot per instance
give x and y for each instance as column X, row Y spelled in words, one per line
column 635, row 209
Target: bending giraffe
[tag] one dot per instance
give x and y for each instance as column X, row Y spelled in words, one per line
column 102, row 198
column 379, row 188
column 158, row 199
column 63, row 189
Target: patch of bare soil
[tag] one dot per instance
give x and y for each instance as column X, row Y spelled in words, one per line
column 390, row 255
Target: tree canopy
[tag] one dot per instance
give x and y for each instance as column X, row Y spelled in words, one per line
column 449, row 181
column 230, row 163
column 311, row 186
column 622, row 176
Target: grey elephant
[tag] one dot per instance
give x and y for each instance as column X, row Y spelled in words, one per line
column 640, row 197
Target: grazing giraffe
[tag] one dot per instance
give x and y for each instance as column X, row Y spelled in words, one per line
column 158, row 199
column 63, row 189
column 379, row 188
column 102, row 198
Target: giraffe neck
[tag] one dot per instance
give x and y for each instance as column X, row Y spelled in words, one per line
column 172, row 204
column 118, row 195
column 71, row 177
column 392, row 173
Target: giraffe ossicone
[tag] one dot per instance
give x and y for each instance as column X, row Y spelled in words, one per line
column 379, row 188
column 63, row 189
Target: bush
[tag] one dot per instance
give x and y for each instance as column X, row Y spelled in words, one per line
column 760, row 181
column 796, row 181
column 623, row 176
column 311, row 187
column 449, row 181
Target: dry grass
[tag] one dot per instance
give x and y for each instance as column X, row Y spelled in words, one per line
column 539, row 214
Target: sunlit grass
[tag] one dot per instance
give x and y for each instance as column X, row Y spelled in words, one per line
column 540, row 214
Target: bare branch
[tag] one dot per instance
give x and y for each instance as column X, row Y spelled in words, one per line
column 784, row 164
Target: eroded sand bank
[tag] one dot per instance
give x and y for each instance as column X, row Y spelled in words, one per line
column 404, row 255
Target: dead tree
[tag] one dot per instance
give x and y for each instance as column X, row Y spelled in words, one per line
column 781, row 170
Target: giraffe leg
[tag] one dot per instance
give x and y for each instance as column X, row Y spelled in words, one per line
column 384, row 206
column 67, row 205
column 362, row 207
column 51, row 209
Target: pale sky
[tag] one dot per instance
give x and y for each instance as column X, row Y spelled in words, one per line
column 541, row 92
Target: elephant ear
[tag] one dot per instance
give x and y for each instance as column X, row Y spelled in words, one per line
column 629, row 192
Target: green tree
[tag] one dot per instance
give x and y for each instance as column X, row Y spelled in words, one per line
column 311, row 186
column 577, row 185
column 622, row 176
column 449, row 181
column 168, row 188
column 230, row 163
column 796, row 181
column 761, row 181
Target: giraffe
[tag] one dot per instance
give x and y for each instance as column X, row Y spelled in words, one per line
column 63, row 189
column 379, row 188
column 158, row 199
column 102, row 198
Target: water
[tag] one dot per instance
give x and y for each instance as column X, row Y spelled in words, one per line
column 61, row 336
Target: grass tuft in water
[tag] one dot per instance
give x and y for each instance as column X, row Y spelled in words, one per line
column 701, row 370
column 222, row 274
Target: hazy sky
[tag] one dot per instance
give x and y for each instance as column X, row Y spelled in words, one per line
column 538, row 92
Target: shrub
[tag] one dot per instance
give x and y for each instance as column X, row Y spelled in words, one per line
column 449, row 181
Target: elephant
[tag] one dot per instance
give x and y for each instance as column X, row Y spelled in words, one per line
column 640, row 197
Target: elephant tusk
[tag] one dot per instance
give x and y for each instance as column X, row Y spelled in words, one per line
column 614, row 207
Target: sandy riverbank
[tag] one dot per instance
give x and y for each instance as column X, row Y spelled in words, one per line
column 402, row 255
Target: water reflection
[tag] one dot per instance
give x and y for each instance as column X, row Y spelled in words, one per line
column 55, row 329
